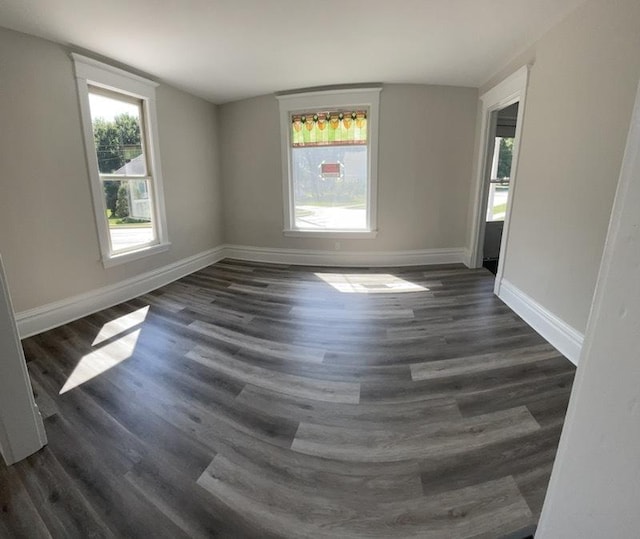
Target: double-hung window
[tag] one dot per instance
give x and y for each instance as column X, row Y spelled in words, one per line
column 329, row 159
column 119, row 123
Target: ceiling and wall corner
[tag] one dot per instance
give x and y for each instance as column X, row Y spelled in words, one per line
column 225, row 51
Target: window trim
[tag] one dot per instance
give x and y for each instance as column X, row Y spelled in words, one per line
column 90, row 72
column 290, row 103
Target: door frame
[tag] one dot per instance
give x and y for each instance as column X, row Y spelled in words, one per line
column 511, row 90
column 21, row 427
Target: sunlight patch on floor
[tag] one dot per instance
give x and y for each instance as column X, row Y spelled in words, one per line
column 112, row 353
column 120, row 325
column 101, row 360
column 369, row 283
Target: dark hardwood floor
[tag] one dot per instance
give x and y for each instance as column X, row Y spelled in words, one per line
column 255, row 400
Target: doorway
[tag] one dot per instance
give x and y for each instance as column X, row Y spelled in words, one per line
column 503, row 106
column 498, row 179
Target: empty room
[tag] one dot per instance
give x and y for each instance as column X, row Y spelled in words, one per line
column 275, row 268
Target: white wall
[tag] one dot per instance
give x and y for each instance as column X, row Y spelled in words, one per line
column 595, row 484
column 425, row 160
column 579, row 101
column 48, row 235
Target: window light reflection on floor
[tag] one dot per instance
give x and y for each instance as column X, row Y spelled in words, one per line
column 369, row 283
column 121, row 324
column 107, row 356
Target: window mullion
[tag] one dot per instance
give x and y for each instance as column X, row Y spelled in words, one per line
column 118, row 177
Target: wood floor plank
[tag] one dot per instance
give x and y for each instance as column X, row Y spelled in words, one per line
column 386, row 445
column 229, row 440
column 263, row 346
column 360, row 314
column 363, row 485
column 164, row 442
column 330, row 413
column 473, row 390
column 60, row 504
column 514, row 456
column 533, row 390
column 19, row 517
column 550, row 409
column 451, row 325
column 479, row 363
column 465, row 513
column 297, row 386
column 186, row 504
column 533, row 485
column 257, row 400
column 98, row 428
column 436, row 347
column 197, row 412
column 125, row 512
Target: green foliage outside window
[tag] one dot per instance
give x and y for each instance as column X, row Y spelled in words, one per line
column 117, row 142
column 504, row 158
column 122, row 202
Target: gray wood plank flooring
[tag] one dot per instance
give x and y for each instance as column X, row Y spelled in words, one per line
column 261, row 400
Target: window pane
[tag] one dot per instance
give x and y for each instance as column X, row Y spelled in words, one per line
column 497, row 206
column 505, row 152
column 129, row 214
column 499, row 185
column 330, row 187
column 117, row 134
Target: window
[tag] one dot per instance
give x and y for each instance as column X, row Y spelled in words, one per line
column 500, row 177
column 119, row 123
column 329, row 155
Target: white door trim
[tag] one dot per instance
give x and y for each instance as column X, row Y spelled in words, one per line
column 21, row 427
column 511, row 90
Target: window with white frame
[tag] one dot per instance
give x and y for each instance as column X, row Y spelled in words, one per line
column 120, row 128
column 329, row 155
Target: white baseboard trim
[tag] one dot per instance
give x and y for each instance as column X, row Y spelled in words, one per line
column 466, row 258
column 308, row 257
column 61, row 312
column 561, row 335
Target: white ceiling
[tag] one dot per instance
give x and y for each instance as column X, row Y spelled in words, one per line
column 224, row 50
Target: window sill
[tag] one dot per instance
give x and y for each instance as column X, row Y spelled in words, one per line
column 130, row 256
column 331, row 234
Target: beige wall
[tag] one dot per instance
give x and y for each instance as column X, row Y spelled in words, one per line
column 48, row 237
column 595, row 483
column 578, row 109
column 425, row 158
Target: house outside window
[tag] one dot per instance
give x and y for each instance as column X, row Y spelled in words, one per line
column 120, row 128
column 329, row 155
